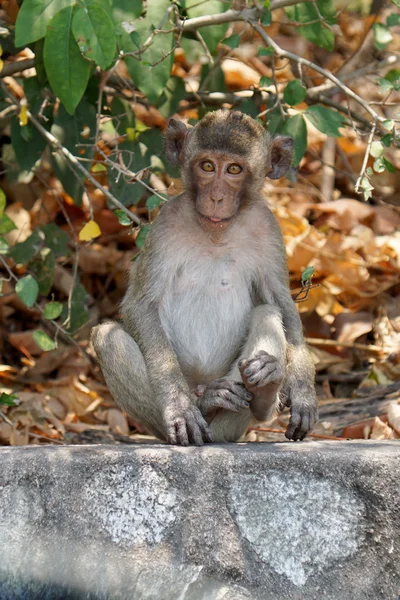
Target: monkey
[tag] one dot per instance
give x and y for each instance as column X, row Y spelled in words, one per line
column 211, row 340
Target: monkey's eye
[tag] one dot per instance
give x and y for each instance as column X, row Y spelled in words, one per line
column 234, row 169
column 207, row 166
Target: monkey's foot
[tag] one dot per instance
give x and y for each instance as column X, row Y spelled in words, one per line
column 303, row 413
column 260, row 371
column 223, row 393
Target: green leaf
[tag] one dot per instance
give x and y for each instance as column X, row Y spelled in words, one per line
column 393, row 20
column 387, row 139
column 396, row 2
column 4, row 247
column 98, row 168
column 212, row 34
column 73, row 131
column 43, row 267
column 382, row 35
column 385, row 84
column 154, row 202
column 122, row 217
column 174, row 92
column 388, row 124
column 24, row 251
column 317, row 33
column 126, row 11
column 265, row 81
column 366, row 188
column 233, row 41
column 379, row 165
column 33, row 17
column 141, row 236
column 43, row 340
column 150, row 79
column 6, row 224
column 8, row 399
column 2, row 202
column 93, row 30
column 266, row 18
column 28, row 144
column 56, row 239
column 27, row 290
column 326, row 120
column 52, row 310
column 394, row 77
column 376, row 149
column 307, row 273
column 68, row 72
column 265, row 51
column 391, row 168
column 294, row 92
column 297, row 129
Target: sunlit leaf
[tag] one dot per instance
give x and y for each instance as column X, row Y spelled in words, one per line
column 8, row 399
column 4, row 247
column 27, row 290
column 23, row 115
column 294, row 92
column 382, row 35
column 33, row 18
column 93, row 30
column 326, row 120
column 89, row 231
column 52, row 310
column 376, row 149
column 43, row 340
column 307, row 273
column 122, row 217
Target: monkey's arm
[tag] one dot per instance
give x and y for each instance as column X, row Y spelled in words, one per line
column 183, row 421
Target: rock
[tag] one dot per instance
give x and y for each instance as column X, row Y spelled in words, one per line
column 306, row 521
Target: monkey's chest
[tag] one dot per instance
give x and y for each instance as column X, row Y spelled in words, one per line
column 205, row 313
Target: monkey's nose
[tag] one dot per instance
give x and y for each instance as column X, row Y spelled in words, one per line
column 217, row 200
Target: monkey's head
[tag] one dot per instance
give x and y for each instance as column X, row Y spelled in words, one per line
column 224, row 160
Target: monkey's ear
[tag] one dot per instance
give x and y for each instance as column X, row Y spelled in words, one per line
column 174, row 140
column 281, row 156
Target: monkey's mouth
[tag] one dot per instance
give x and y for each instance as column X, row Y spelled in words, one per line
column 215, row 219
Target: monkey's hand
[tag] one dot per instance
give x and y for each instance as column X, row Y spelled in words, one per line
column 185, row 424
column 261, row 370
column 223, row 393
column 302, row 401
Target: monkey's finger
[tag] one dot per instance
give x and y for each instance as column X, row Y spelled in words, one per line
column 181, row 432
column 171, row 435
column 269, row 374
column 305, row 427
column 220, row 402
column 206, row 435
column 294, row 423
column 235, row 400
column 194, row 432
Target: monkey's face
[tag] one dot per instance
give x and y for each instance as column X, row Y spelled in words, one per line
column 218, row 183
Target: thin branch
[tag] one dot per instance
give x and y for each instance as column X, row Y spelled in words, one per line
column 281, row 53
column 17, row 67
column 365, row 161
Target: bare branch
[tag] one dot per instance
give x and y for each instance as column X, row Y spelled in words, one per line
column 17, row 67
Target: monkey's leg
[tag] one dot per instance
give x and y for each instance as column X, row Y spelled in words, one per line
column 262, row 362
column 125, row 372
column 265, row 354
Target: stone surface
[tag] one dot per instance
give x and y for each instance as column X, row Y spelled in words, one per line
column 240, row 521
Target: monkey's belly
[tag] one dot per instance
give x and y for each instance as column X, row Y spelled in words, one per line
column 206, row 329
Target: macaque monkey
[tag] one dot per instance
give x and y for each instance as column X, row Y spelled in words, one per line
column 211, row 339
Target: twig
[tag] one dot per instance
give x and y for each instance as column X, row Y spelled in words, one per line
column 5, row 418
column 17, row 67
column 365, row 161
column 334, row 343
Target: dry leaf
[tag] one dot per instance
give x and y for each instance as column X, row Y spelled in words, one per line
column 394, row 416
column 117, row 421
column 90, row 231
column 381, row 431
